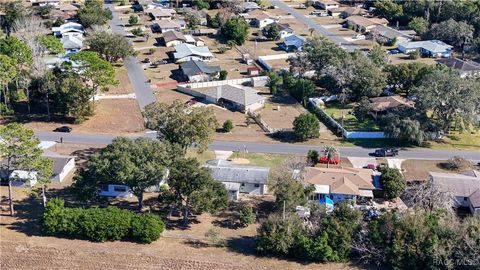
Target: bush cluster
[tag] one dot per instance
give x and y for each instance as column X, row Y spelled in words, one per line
column 100, row 224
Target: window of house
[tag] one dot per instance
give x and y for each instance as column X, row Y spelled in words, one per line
column 257, row 185
column 119, row 189
column 243, row 184
column 104, row 188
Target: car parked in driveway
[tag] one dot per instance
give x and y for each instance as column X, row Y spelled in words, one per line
column 386, row 152
column 65, row 129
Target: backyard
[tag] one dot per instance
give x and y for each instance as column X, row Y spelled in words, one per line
column 338, row 111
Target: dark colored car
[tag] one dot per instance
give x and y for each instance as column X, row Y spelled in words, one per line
column 66, row 129
column 386, row 152
column 146, row 61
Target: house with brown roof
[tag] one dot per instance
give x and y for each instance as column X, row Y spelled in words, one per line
column 364, row 24
column 384, row 105
column 166, row 25
column 259, row 18
column 340, row 184
column 160, row 14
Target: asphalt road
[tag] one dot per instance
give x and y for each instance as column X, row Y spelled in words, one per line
column 141, row 86
column 278, row 148
column 347, row 45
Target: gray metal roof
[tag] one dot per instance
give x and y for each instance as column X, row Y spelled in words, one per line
column 434, row 46
column 389, row 32
column 184, row 50
column 236, row 93
column 231, row 173
column 294, row 40
column 193, row 67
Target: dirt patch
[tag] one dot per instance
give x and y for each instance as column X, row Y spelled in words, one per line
column 281, row 111
column 417, row 170
column 124, row 86
column 112, row 116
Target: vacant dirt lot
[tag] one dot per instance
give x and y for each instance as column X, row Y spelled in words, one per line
column 279, row 112
column 112, row 116
column 124, row 86
column 415, row 169
column 23, row 247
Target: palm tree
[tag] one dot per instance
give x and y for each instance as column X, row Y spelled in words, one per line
column 331, row 153
column 311, row 31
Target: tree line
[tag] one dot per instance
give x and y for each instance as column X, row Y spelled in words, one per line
column 443, row 99
column 67, row 90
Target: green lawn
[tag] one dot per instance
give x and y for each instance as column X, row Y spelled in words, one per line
column 201, row 157
column 350, row 122
column 468, row 140
column 262, row 159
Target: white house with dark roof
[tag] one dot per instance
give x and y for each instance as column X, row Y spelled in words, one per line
column 284, row 29
column 186, row 52
column 235, row 97
column 465, row 68
column 198, row 71
column 464, row 188
column 239, row 178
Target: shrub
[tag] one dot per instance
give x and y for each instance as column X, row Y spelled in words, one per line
column 457, row 163
column 246, row 215
column 100, row 224
column 146, row 228
column 214, row 238
column 306, row 126
column 414, row 55
column 133, row 20
column 137, row 32
column 222, row 50
column 228, row 125
column 312, row 157
column 223, row 75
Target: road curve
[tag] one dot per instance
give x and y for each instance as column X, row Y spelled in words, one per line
column 276, row 148
column 347, row 45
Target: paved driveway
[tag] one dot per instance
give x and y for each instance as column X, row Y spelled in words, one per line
column 360, row 162
column 139, row 81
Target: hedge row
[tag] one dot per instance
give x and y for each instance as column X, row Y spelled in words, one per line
column 100, row 224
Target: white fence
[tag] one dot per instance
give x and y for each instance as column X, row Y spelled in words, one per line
column 263, row 59
column 254, row 81
column 328, row 120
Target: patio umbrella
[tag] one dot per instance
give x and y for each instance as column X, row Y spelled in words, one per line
column 326, row 201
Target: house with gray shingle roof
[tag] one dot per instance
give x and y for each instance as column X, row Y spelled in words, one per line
column 466, row 68
column 464, row 188
column 235, row 97
column 198, row 71
column 239, row 178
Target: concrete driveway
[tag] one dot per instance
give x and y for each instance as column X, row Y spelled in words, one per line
column 360, row 162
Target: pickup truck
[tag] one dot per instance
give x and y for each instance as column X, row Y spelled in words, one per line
column 386, row 152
